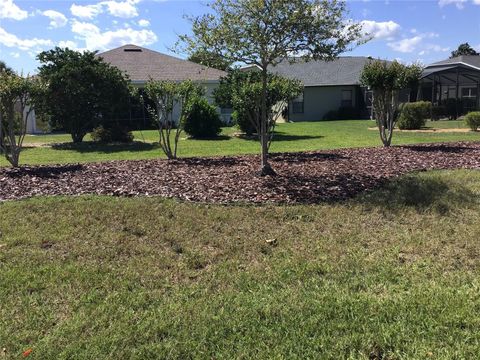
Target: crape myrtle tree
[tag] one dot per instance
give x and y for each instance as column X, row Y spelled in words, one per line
column 386, row 79
column 18, row 96
column 266, row 32
column 83, row 91
column 166, row 95
column 4, row 70
column 242, row 91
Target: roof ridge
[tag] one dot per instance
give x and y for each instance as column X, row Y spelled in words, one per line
column 162, row 54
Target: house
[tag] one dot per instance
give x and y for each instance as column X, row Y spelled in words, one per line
column 330, row 87
column 142, row 64
column 452, row 85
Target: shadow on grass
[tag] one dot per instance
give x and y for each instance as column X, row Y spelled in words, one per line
column 90, row 146
column 281, row 136
column 420, row 192
column 216, row 138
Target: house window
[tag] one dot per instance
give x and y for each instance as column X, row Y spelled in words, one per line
column 469, row 92
column 469, row 98
column 347, row 98
column 297, row 105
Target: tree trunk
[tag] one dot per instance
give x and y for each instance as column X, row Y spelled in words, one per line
column 265, row 168
column 384, row 107
column 77, row 138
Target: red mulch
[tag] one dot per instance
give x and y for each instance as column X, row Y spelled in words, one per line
column 308, row 177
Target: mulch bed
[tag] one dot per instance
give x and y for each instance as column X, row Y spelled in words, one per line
column 308, row 177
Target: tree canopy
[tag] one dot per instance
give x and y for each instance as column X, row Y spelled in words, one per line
column 4, row 68
column 83, row 90
column 241, row 90
column 266, row 32
column 386, row 79
column 166, row 95
column 464, row 49
column 18, row 96
column 210, row 59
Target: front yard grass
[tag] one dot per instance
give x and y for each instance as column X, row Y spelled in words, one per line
column 393, row 274
column 291, row 137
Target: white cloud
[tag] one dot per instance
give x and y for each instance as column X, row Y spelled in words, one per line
column 406, row 45
column 11, row 40
column 409, row 45
column 95, row 39
column 476, row 2
column 122, row 9
column 68, row 44
column 8, row 10
column 437, row 48
column 57, row 19
column 458, row 3
column 380, row 30
column 85, row 11
column 145, row 23
column 16, row 55
column 85, row 29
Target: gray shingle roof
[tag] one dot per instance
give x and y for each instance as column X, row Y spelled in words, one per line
column 342, row 71
column 471, row 60
column 141, row 64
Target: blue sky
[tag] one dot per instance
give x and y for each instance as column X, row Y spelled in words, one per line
column 422, row 30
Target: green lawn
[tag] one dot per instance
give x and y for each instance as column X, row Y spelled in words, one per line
column 290, row 137
column 391, row 275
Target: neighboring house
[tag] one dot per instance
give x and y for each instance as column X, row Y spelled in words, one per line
column 142, row 64
column 329, row 86
column 456, row 79
column 31, row 120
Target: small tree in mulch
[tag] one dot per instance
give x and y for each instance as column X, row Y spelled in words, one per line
column 166, row 95
column 386, row 79
column 18, row 96
column 265, row 33
column 240, row 90
column 246, row 100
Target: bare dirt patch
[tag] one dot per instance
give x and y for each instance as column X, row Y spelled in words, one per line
column 308, row 177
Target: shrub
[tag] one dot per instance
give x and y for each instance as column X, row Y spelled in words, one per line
column 413, row 115
column 203, row 121
column 244, row 124
column 439, row 112
column 343, row 113
column 472, row 119
column 331, row 115
column 115, row 133
column 348, row 113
